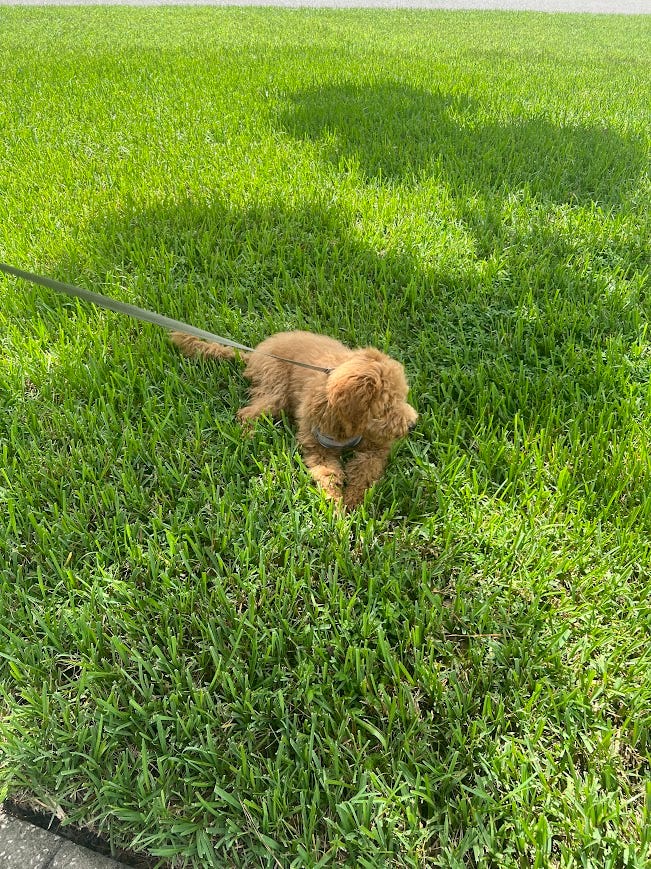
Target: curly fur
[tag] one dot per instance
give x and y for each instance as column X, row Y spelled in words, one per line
column 363, row 395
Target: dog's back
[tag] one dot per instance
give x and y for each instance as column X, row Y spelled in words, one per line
column 318, row 350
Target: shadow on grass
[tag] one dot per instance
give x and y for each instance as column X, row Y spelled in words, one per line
column 267, row 656
column 397, row 133
column 556, row 350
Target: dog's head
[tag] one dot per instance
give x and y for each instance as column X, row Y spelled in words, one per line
column 367, row 395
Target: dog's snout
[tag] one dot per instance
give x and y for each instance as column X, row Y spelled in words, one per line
column 412, row 425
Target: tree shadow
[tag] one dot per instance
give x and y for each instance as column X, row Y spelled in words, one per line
column 476, row 360
column 244, row 272
column 477, row 357
column 400, row 133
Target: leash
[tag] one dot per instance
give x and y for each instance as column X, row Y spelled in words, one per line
column 143, row 314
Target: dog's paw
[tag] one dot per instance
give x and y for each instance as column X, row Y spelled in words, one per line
column 329, row 480
column 247, row 416
column 247, row 424
column 353, row 497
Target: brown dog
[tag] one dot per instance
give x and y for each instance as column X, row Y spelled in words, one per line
column 358, row 403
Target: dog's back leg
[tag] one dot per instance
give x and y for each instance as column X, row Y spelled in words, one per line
column 265, row 400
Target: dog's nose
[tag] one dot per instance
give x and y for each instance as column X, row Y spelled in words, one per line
column 412, row 425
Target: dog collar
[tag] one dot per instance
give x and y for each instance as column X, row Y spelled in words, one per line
column 332, row 444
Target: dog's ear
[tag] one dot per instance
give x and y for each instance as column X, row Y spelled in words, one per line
column 352, row 389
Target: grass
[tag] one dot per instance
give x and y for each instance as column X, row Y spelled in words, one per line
column 199, row 660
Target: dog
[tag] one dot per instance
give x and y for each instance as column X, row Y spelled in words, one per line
column 340, row 399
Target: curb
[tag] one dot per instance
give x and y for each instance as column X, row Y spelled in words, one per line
column 25, row 846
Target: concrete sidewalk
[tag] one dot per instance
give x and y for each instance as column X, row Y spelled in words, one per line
column 24, row 846
column 622, row 7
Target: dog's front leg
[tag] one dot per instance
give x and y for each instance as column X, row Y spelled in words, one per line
column 361, row 472
column 326, row 471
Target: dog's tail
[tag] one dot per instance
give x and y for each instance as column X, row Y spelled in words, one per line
column 191, row 346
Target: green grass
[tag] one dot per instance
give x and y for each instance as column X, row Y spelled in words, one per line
column 198, row 659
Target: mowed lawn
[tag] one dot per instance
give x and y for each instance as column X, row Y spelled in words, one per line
column 200, row 660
